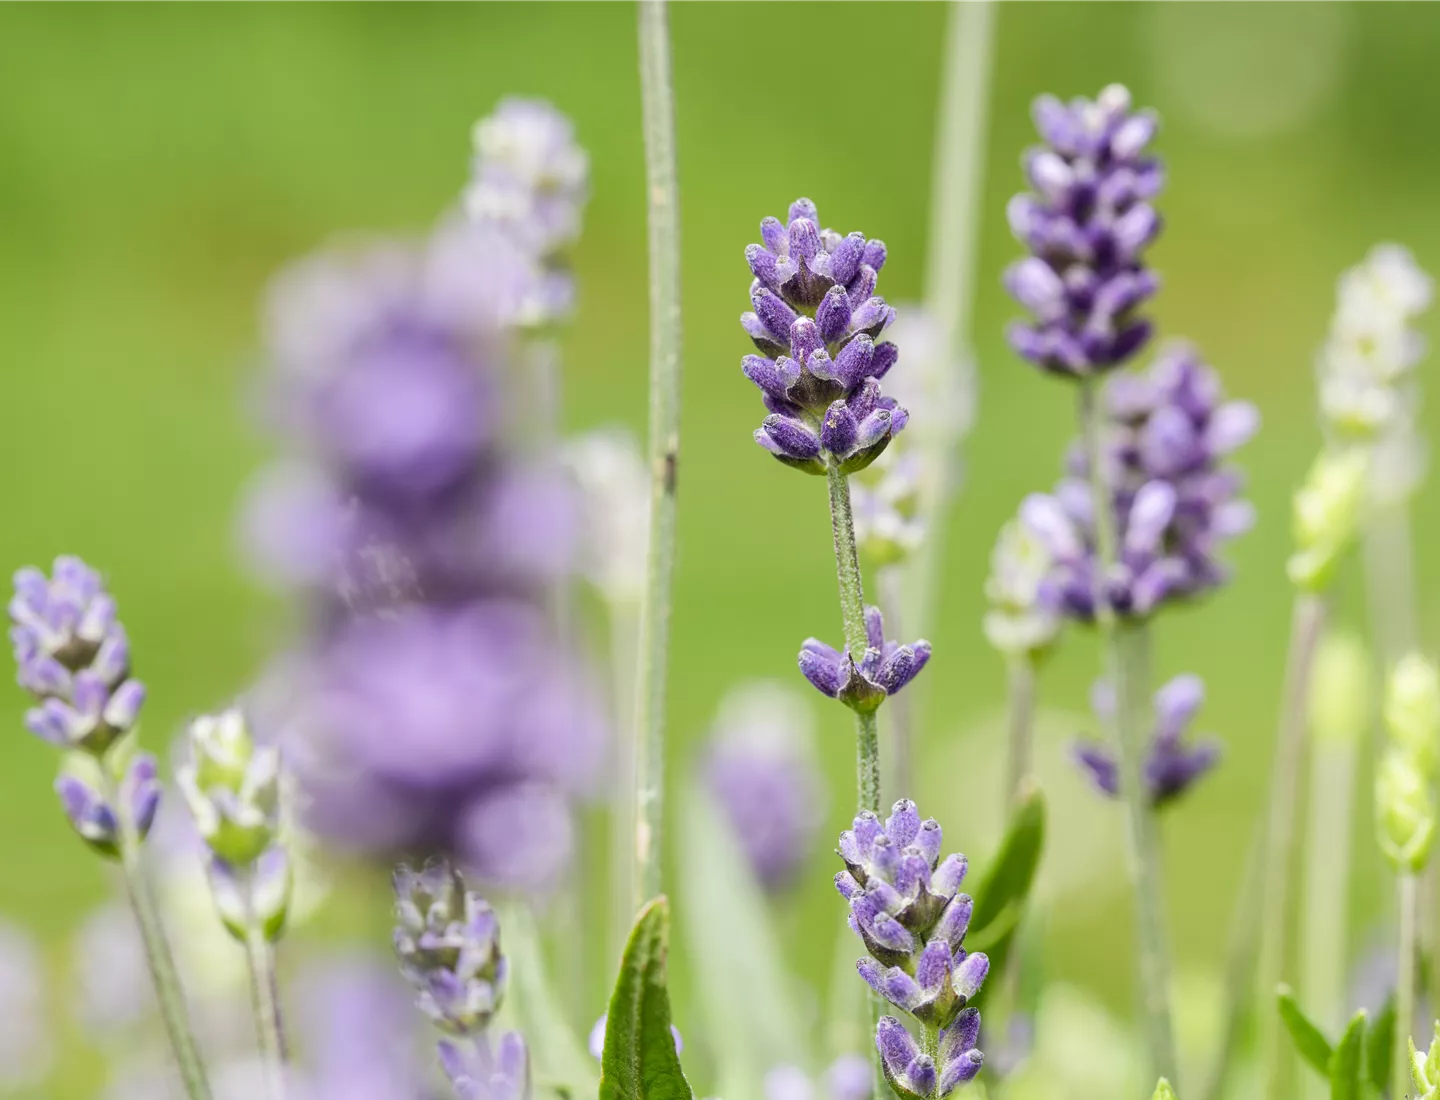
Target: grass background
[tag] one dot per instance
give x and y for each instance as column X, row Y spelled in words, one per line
column 158, row 163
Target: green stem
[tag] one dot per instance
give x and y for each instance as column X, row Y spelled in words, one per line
column 1408, row 900
column 168, row 990
column 663, row 193
column 1022, row 725
column 1128, row 659
column 1279, row 850
column 269, row 1027
column 624, row 635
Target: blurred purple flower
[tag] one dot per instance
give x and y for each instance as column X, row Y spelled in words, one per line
column 1172, row 765
column 25, row 1045
column 849, row 1077
column 1087, row 221
column 760, row 771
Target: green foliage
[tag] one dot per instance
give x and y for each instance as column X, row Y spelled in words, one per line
column 1001, row 893
column 640, row 1062
column 1346, row 1079
column 1379, row 1045
column 724, row 908
column 1310, row 1041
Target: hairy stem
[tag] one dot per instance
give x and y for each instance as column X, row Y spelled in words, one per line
column 899, row 716
column 1022, row 726
column 1128, row 660
column 663, row 194
column 852, row 611
column 269, row 1025
column 1279, row 848
column 168, row 991
column 1408, row 901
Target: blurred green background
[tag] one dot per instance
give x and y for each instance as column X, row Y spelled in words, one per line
column 157, row 164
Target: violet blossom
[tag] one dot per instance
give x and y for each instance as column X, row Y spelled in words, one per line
column 883, row 669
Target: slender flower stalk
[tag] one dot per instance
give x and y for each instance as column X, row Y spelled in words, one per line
column 1407, row 889
column 270, row 1026
column 1128, row 658
column 663, row 192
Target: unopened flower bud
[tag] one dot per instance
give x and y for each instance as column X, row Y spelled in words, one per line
column 232, row 788
column 1412, row 710
column 1326, row 516
column 1405, row 811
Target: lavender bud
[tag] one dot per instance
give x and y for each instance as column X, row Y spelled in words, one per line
column 884, row 669
column 231, row 787
column 479, row 1072
column 1327, row 516
column 448, row 943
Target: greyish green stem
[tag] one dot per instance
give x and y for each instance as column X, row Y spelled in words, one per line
column 1408, row 901
column 269, row 1025
column 1279, row 850
column 1021, row 668
column 1128, row 659
column 663, row 195
column 168, row 991
column 624, row 632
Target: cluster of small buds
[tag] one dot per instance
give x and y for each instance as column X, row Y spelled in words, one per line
column 906, row 907
column 883, row 669
column 815, row 322
column 1405, row 780
column 1026, row 614
column 1087, row 223
column 232, row 788
column 73, row 656
column 1175, row 502
column 1326, row 516
column 1425, row 1068
column 1172, row 766
column 885, row 503
column 529, row 175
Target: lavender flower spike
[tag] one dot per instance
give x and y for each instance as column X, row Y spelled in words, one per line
column 74, row 657
column 815, row 322
column 1172, row 766
column 480, row 1073
column 883, row 669
column 92, row 814
column 448, row 941
column 1087, row 221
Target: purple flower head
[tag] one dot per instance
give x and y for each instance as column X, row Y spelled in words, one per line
column 488, row 1072
column 1087, row 221
column 74, row 657
column 1172, row 765
column 1176, row 501
column 917, row 1076
column 95, row 818
column 815, row 322
column 906, row 907
column 883, row 669
column 448, row 942
column 529, row 175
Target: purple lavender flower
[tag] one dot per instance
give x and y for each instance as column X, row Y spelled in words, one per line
column 1172, row 766
column 482, row 1073
column 815, row 322
column 913, row 1074
column 1176, row 503
column 91, row 813
column 761, row 773
column 448, row 941
column 1087, row 222
column 74, row 657
column 883, row 669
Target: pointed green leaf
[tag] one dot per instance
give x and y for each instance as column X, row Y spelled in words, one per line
column 1380, row 1046
column 1345, row 1078
column 1000, row 894
column 723, row 904
column 536, row 1006
column 1310, row 1041
column 1163, row 1091
column 640, row 1062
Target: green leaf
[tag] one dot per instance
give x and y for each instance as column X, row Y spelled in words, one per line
column 640, row 1062
column 1000, row 895
column 536, row 1007
column 1163, row 1091
column 737, row 956
column 1380, row 1046
column 1345, row 1083
column 1309, row 1040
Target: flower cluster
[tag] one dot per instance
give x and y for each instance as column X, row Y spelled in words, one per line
column 1172, row 765
column 1174, row 500
column 815, row 322
column 1405, row 779
column 233, row 790
column 73, row 656
column 758, row 768
column 447, row 939
column 1086, row 223
column 883, row 669
column 431, row 697
column 906, row 907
